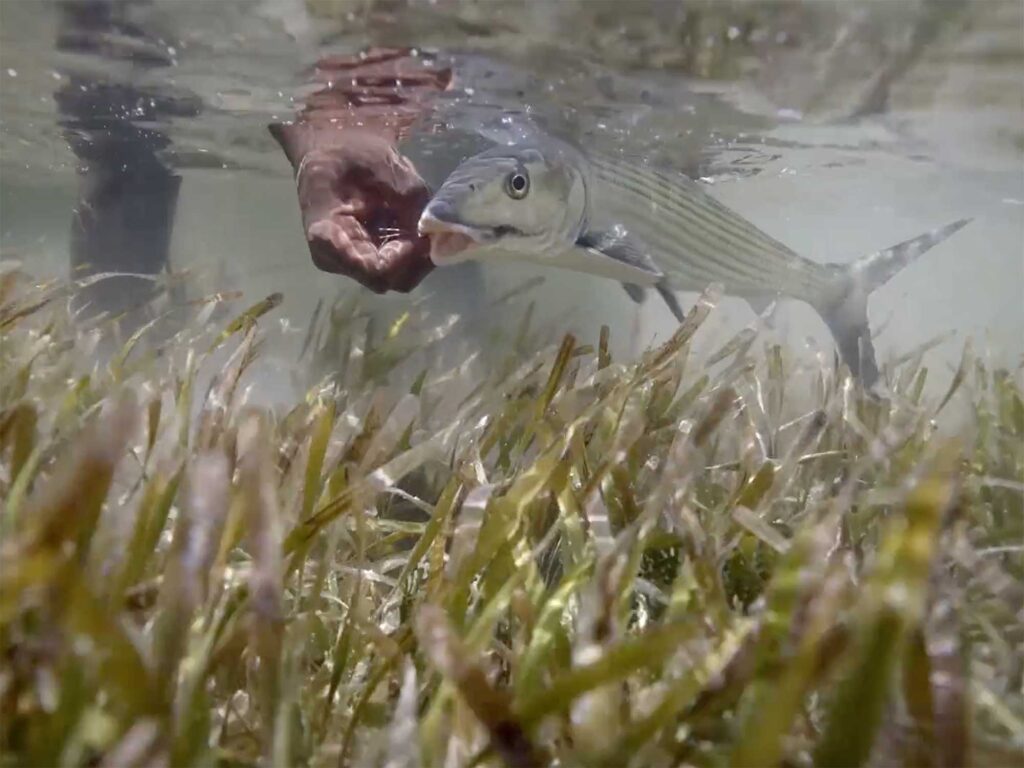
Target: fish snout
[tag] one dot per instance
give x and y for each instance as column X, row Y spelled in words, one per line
column 438, row 216
column 449, row 239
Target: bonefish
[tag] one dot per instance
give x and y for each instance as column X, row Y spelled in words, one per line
column 550, row 203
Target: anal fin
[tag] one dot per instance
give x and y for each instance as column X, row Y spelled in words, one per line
column 616, row 243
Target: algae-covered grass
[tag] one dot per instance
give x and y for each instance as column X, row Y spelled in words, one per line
column 552, row 558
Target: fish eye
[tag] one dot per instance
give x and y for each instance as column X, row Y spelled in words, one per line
column 517, row 185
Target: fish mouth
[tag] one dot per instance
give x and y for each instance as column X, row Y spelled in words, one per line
column 449, row 241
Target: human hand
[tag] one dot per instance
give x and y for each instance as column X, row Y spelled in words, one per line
column 361, row 201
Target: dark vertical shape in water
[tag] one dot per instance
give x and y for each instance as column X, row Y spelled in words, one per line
column 127, row 193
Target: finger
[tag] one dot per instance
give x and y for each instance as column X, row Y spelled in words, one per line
column 360, row 245
column 350, row 248
column 353, row 205
column 394, row 252
column 330, row 232
column 406, row 263
column 333, row 250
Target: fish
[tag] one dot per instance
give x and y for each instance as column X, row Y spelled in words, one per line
column 550, row 202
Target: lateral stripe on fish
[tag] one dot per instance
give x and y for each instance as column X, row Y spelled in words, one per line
column 681, row 193
column 669, row 241
column 752, row 246
column 692, row 239
column 740, row 264
column 642, row 206
column 739, row 256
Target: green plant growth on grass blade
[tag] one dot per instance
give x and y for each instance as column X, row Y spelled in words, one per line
column 543, row 558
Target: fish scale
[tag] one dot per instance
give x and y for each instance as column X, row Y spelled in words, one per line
column 745, row 260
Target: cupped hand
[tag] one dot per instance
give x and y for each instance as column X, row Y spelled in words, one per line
column 361, row 202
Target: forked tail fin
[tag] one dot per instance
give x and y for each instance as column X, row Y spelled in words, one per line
column 845, row 310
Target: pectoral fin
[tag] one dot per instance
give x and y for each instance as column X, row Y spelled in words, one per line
column 614, row 253
column 618, row 245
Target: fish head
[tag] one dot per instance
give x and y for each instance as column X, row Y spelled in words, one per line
column 520, row 199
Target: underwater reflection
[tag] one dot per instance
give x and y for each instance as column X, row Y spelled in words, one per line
column 127, row 193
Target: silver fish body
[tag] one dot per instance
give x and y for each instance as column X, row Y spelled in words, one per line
column 696, row 238
column 550, row 203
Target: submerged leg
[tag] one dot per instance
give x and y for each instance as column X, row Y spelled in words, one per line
column 122, row 223
column 127, row 193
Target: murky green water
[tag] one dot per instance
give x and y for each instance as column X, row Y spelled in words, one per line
column 838, row 128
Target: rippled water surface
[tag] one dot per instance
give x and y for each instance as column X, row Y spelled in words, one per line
column 838, row 128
